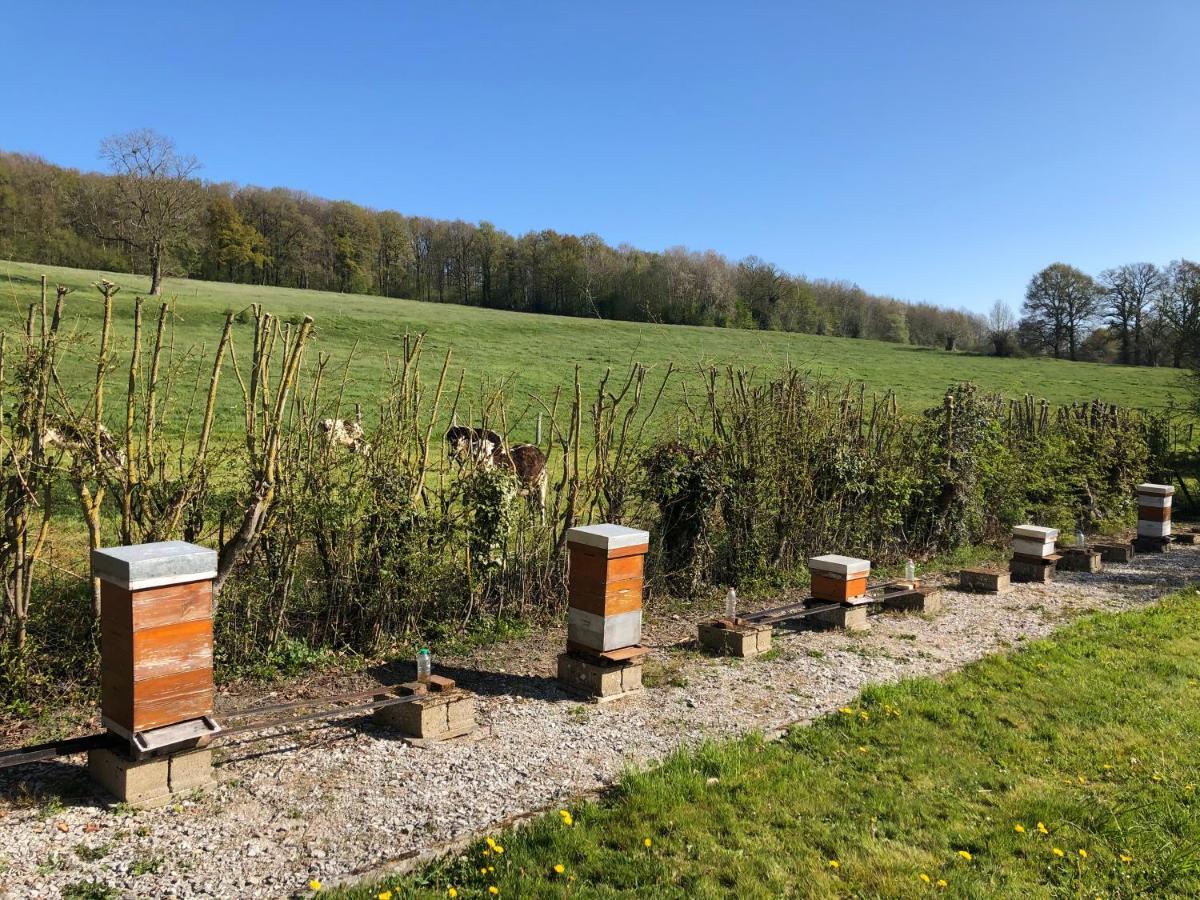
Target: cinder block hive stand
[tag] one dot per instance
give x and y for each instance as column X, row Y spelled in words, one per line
column 156, row 684
column 440, row 711
column 603, row 660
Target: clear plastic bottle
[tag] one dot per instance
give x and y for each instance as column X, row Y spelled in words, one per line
column 424, row 664
column 731, row 604
column 1080, row 538
column 910, row 571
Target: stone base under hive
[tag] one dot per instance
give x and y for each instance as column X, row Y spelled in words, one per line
column 735, row 639
column 430, row 717
column 848, row 616
column 911, row 600
column 1028, row 570
column 1186, row 537
column 984, row 581
column 1151, row 544
column 1116, row 552
column 598, row 679
column 1080, row 559
column 150, row 782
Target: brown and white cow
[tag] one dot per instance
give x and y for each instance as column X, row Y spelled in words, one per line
column 487, row 449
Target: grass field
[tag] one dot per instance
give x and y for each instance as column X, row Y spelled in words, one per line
column 535, row 354
column 1068, row 769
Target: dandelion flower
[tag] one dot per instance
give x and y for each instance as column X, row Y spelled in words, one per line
column 924, row 877
column 491, row 842
column 1058, row 852
column 385, row 895
column 646, row 842
column 452, row 892
column 1019, row 828
column 965, row 855
column 1042, row 829
column 491, row 868
column 559, row 868
column 1126, row 858
column 483, row 870
column 862, row 749
column 941, row 882
column 315, row 884
column 846, row 711
column 1082, row 853
column 487, row 853
column 499, row 849
column 492, row 889
column 834, row 864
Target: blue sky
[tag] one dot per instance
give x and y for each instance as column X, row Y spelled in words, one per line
column 933, row 151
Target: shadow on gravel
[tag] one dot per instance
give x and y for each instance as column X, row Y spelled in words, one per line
column 51, row 784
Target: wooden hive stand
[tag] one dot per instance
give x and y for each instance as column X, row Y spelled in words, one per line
column 604, row 655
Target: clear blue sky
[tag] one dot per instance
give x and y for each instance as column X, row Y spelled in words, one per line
column 934, row 151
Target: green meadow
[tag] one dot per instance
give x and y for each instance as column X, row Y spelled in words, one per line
column 531, row 356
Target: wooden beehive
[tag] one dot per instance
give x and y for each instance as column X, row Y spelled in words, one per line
column 838, row 579
column 1154, row 510
column 604, row 590
column 155, row 634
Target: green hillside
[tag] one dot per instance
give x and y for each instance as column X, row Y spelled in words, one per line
column 534, row 354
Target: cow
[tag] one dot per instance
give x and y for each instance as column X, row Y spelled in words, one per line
column 487, row 449
column 346, row 434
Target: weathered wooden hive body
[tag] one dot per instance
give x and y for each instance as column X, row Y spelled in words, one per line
column 156, row 640
column 604, row 592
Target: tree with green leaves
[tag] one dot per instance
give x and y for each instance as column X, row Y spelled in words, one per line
column 1130, row 291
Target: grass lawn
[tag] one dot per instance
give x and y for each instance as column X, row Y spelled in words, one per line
column 1068, row 769
column 535, row 354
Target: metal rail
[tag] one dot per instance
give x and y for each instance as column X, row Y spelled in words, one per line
column 386, row 695
column 810, row 606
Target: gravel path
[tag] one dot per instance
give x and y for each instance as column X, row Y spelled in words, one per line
column 337, row 800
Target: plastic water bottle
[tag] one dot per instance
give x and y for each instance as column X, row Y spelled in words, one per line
column 424, row 664
column 1080, row 538
column 731, row 604
column 910, row 571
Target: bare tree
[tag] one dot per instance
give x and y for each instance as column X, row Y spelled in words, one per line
column 154, row 197
column 1059, row 303
column 1001, row 326
column 1129, row 292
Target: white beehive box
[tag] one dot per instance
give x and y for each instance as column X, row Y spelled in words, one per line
column 1034, row 540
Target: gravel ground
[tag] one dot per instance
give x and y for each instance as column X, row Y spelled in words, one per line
column 338, row 800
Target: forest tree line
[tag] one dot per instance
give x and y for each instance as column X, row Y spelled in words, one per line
column 151, row 213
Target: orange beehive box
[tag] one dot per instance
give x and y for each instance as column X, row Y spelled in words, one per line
column 838, row 579
column 155, row 634
column 604, row 588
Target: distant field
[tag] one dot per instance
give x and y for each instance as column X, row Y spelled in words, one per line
column 536, row 353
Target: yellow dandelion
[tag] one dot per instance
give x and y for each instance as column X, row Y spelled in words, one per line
column 491, row 869
column 487, row 853
column 846, row 711
column 1019, row 828
column 646, row 842
column 499, row 849
column 315, row 884
column 1058, row 852
column 965, row 855
column 483, row 870
column 864, row 715
column 941, row 882
column 1082, row 853
column 452, row 892
column 862, row 749
column 559, row 868
column 924, row 877
column 385, row 895
column 491, row 842
column 1042, row 829
column 493, row 890
column 1126, row 858
column 834, row 864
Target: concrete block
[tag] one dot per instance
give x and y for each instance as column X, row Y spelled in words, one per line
column 849, row 617
column 1115, row 553
column 424, row 717
column 1080, row 559
column 460, row 712
column 593, row 679
column 746, row 641
column 138, row 783
column 1027, row 572
column 189, row 771
column 1143, row 544
column 987, row 581
column 1187, row 537
column 912, row 601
